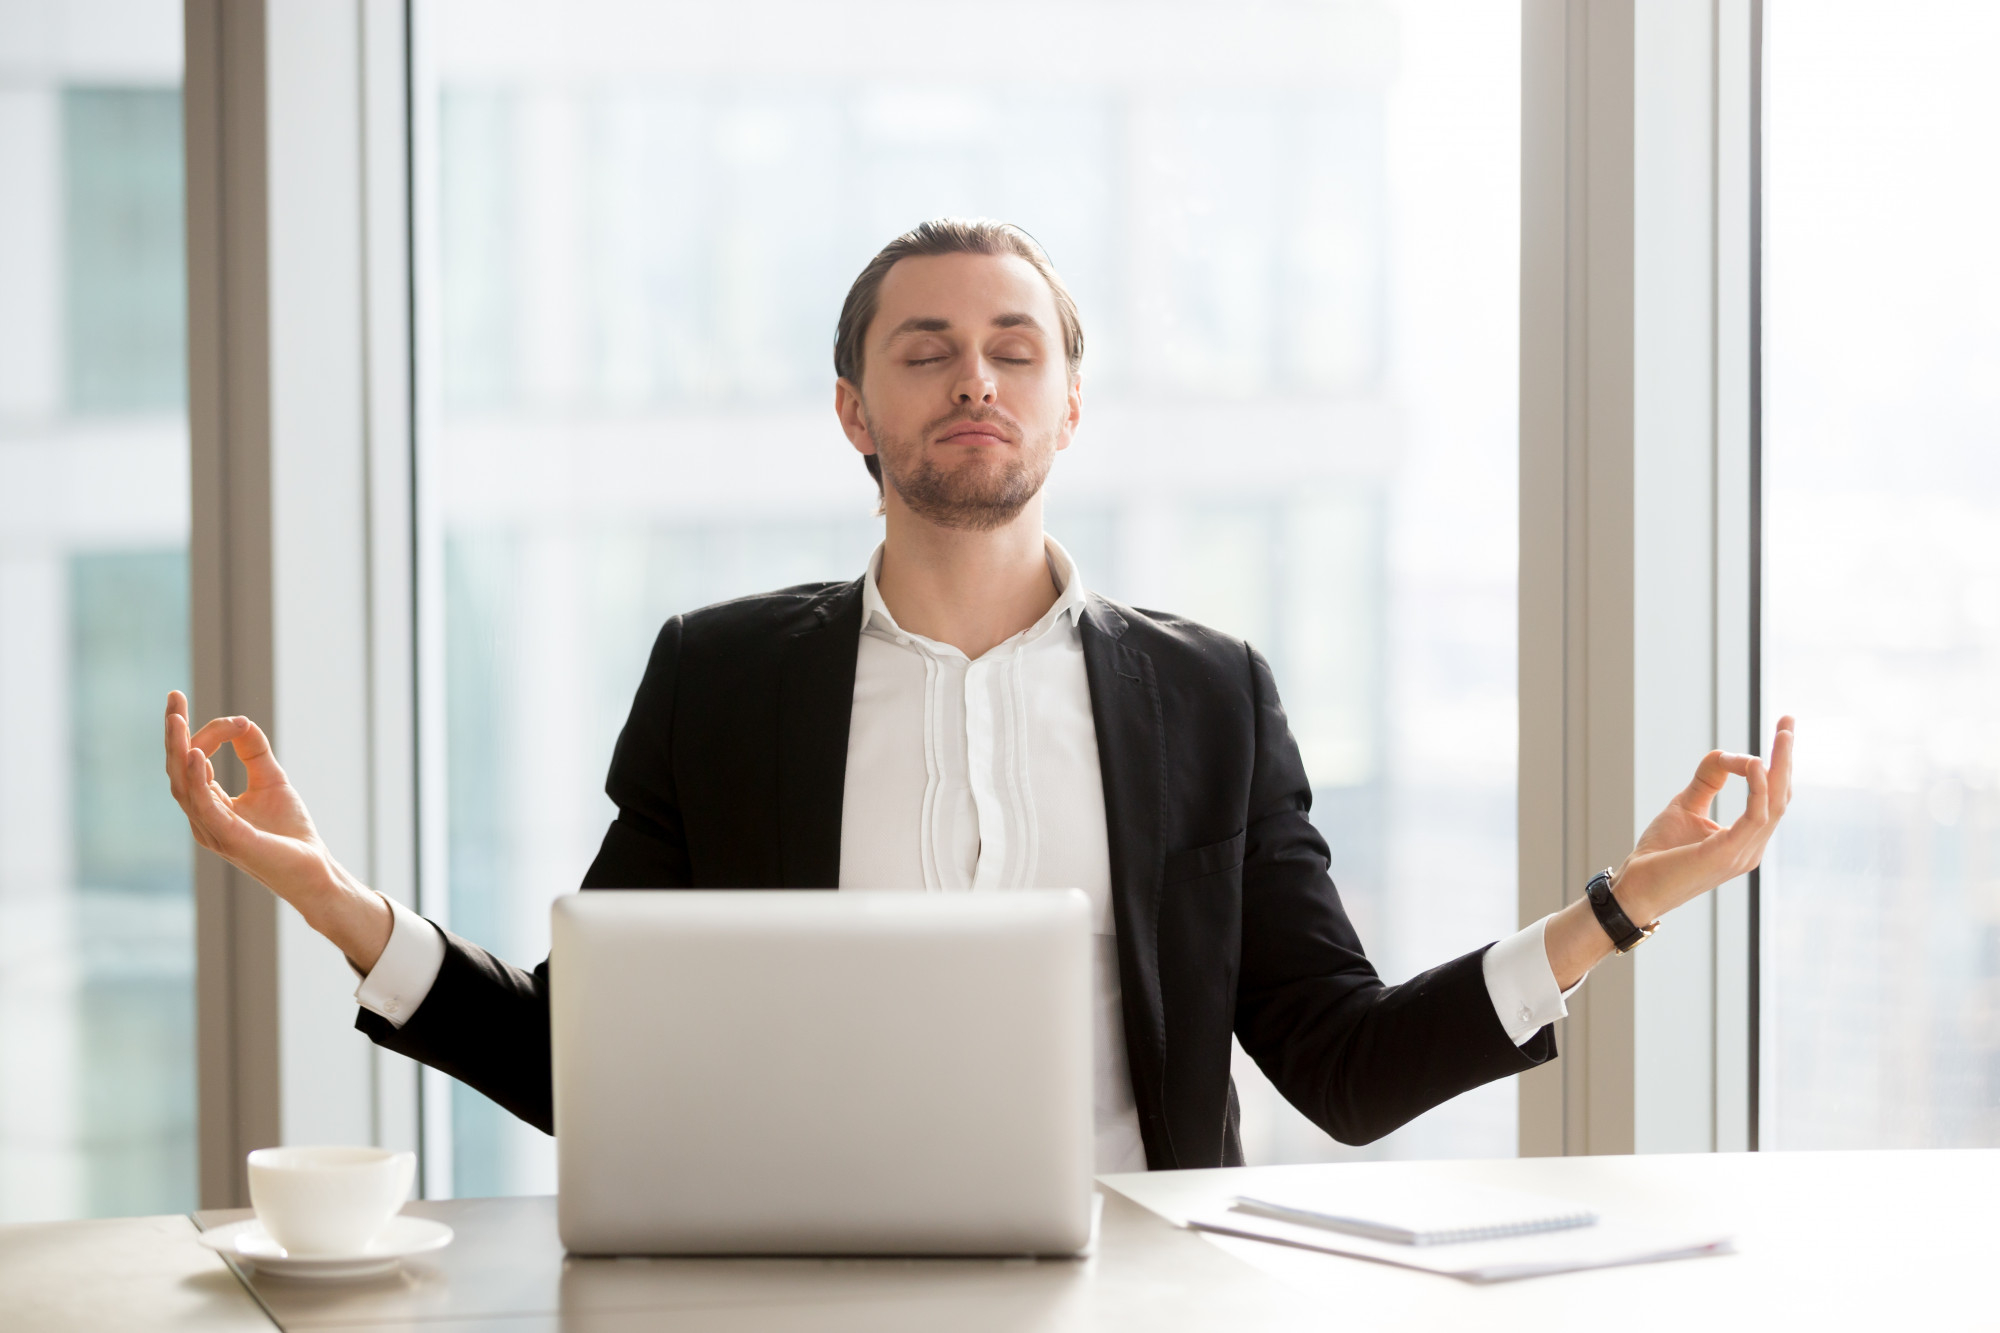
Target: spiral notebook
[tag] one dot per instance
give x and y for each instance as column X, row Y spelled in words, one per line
column 1420, row 1212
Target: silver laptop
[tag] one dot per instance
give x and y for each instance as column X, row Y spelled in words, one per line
column 822, row 1073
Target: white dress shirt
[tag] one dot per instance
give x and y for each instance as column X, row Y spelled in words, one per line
column 979, row 775
column 973, row 776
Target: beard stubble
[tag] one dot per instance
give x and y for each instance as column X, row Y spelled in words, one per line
column 968, row 497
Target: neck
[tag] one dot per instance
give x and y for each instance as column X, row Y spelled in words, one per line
column 972, row 590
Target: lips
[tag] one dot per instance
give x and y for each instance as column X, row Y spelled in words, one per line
column 972, row 432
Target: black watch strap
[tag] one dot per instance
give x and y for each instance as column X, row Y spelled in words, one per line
column 1625, row 936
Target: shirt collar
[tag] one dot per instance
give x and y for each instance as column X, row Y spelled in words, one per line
column 1069, row 604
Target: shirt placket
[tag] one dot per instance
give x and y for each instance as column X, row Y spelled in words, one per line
column 979, row 761
column 934, row 771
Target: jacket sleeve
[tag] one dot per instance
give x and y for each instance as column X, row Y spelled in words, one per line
column 485, row 1021
column 1357, row 1057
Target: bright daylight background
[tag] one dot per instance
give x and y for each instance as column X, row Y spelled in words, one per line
column 97, row 1111
column 1293, row 231
column 1882, row 605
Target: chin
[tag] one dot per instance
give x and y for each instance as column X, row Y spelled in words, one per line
column 976, row 496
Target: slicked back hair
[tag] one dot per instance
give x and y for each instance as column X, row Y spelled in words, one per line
column 944, row 236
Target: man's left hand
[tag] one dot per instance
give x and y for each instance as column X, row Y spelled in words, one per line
column 1683, row 853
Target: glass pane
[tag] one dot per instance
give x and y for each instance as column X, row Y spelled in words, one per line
column 125, row 284
column 97, row 1100
column 1292, row 230
column 1882, row 428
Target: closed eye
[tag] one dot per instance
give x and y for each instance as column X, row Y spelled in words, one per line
column 925, row 361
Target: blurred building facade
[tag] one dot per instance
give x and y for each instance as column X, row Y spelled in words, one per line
column 97, row 1068
column 1882, row 609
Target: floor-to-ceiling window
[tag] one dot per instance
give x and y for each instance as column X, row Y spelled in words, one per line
column 1292, row 229
column 96, row 915
column 1882, row 603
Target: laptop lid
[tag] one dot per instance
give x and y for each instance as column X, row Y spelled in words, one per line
column 778, row 1072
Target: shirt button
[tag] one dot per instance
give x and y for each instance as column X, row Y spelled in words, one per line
column 1526, row 1013
column 396, row 1008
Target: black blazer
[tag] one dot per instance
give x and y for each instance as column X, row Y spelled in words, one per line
column 730, row 772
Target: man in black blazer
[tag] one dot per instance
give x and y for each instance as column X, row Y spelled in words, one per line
column 770, row 746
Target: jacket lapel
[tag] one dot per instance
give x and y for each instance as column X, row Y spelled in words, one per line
column 1131, row 751
column 815, row 703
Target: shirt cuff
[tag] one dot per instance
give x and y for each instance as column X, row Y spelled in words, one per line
column 1522, row 985
column 409, row 964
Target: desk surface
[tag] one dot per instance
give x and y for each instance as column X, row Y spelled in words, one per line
column 1823, row 1241
column 1891, row 1239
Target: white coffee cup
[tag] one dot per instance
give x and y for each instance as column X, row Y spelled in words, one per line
column 327, row 1201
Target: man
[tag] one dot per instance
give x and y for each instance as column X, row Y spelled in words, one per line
column 967, row 716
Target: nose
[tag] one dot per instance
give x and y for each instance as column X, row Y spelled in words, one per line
column 977, row 385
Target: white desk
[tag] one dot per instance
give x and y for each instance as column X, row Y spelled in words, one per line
column 1827, row 1241
column 1879, row 1240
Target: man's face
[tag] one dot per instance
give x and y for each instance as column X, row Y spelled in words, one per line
column 965, row 393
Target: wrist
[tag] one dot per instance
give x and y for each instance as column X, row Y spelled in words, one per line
column 1574, row 943
column 325, row 893
column 353, row 917
column 1632, row 885
column 1606, row 906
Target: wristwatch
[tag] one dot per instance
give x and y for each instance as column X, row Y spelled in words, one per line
column 1625, row 936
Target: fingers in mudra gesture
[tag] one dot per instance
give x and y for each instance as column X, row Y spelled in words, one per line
column 264, row 826
column 266, row 831
column 1683, row 853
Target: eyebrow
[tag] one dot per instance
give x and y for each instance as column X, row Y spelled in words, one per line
column 934, row 324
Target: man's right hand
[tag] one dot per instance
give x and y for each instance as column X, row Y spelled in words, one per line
column 267, row 834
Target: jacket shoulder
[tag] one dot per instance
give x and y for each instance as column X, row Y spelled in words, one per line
column 769, row 617
column 1176, row 638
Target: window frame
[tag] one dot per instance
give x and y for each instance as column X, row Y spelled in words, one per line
column 299, row 385
column 1639, row 262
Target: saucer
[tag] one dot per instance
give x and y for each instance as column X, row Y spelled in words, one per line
column 252, row 1247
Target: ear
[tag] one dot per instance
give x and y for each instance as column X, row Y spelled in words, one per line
column 853, row 421
column 1074, row 416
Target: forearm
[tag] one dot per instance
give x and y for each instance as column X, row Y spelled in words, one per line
column 347, row 912
column 485, row 1022
column 1361, row 1060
